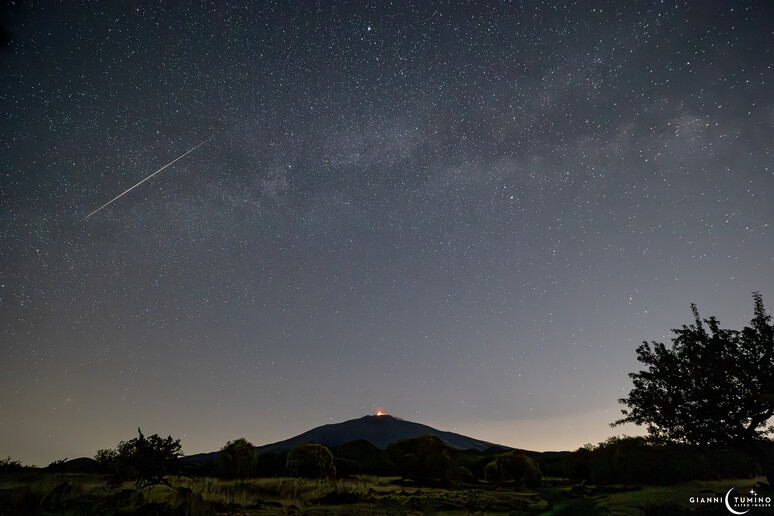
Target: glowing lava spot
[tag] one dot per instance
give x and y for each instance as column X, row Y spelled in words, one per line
column 380, row 412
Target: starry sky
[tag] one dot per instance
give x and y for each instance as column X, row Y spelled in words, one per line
column 467, row 214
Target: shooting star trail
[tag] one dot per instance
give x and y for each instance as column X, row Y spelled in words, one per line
column 141, row 182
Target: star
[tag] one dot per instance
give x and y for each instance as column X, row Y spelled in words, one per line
column 399, row 231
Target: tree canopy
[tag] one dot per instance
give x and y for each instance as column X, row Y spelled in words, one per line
column 712, row 387
column 310, row 460
column 422, row 458
column 147, row 460
column 514, row 465
column 238, row 459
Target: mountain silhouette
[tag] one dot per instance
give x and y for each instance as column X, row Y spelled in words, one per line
column 378, row 430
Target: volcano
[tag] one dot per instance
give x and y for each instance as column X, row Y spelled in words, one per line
column 380, row 430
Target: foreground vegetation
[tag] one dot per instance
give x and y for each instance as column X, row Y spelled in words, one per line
column 622, row 476
column 712, row 387
column 42, row 493
column 423, row 475
column 51, row 493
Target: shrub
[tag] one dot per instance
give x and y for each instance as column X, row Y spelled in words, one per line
column 10, row 466
column 490, row 472
column 639, row 459
column 310, row 460
column 732, row 463
column 237, row 459
column 514, row 466
column 460, row 475
column 422, row 458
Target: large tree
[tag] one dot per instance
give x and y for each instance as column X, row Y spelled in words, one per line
column 146, row 460
column 712, row 387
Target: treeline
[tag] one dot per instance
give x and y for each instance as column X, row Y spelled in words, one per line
column 630, row 460
column 428, row 460
column 424, row 460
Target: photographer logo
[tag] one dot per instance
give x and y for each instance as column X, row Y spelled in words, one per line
column 734, row 503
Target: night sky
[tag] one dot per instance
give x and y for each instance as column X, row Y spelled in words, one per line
column 467, row 214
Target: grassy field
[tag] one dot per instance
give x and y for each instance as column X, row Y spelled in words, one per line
column 675, row 499
column 79, row 494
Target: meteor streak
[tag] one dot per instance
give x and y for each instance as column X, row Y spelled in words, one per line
column 141, row 182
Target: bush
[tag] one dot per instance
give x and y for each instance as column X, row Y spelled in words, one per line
column 310, row 460
column 559, row 464
column 460, row 475
column 422, row 458
column 732, row 463
column 10, row 466
column 237, row 459
column 639, row 459
column 514, row 466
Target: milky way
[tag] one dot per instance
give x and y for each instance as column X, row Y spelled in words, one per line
column 467, row 214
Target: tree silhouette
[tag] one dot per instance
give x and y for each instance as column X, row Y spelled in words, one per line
column 713, row 387
column 238, row 459
column 146, row 460
column 423, row 458
column 516, row 466
column 9, row 465
column 310, row 460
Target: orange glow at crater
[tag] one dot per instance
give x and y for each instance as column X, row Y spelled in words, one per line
column 380, row 412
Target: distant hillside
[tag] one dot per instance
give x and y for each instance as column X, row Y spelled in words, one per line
column 377, row 430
